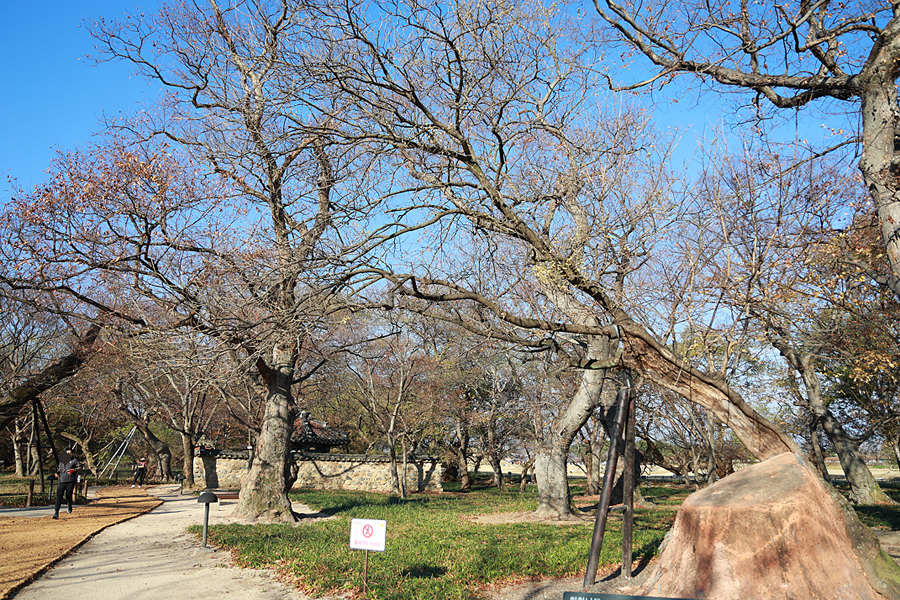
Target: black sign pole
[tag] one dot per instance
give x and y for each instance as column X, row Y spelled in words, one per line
column 590, row 576
column 628, row 485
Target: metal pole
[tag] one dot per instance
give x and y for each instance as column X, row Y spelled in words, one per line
column 205, row 522
column 122, row 447
column 40, row 408
column 366, row 576
column 590, row 576
column 628, row 491
column 36, row 427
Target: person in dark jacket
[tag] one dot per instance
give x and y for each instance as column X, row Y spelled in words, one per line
column 68, row 466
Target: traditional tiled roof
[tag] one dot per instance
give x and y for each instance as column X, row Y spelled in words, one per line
column 309, row 432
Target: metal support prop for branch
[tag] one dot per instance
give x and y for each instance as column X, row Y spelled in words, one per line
column 36, row 427
column 628, row 490
column 40, row 408
column 118, row 454
column 622, row 406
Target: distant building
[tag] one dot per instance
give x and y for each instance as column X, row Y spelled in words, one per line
column 315, row 436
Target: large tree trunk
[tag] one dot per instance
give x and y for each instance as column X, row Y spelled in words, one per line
column 395, row 477
column 497, row 469
column 818, row 454
column 552, row 453
column 863, row 487
column 554, row 497
column 880, row 126
column 593, row 458
column 18, row 442
column 264, row 495
column 187, row 464
column 643, row 354
column 526, row 468
column 461, row 451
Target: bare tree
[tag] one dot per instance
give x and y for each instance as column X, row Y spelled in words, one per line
column 389, row 373
column 771, row 228
column 791, row 57
column 137, row 411
column 179, row 379
column 220, row 212
column 518, row 161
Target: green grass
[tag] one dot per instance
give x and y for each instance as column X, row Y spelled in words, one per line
column 666, row 494
column 881, row 516
column 14, row 491
column 433, row 548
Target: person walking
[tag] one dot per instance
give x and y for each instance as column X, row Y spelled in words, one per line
column 68, row 466
column 139, row 472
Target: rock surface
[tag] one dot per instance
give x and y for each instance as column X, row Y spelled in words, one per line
column 772, row 531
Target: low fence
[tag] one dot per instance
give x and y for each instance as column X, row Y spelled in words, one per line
column 10, row 490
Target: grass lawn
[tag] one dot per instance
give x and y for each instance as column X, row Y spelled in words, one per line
column 434, row 550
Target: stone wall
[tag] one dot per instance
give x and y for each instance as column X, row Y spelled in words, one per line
column 224, row 470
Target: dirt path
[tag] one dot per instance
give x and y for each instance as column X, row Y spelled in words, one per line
column 150, row 557
column 28, row 546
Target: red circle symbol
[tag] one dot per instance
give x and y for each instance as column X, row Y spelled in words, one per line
column 367, row 531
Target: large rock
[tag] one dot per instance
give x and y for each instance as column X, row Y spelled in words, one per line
column 772, row 531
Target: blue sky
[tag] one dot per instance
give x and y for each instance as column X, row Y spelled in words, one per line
column 54, row 96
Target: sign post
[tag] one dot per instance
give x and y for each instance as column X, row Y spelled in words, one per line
column 367, row 534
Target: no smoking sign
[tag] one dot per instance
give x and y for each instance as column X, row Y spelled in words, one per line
column 367, row 534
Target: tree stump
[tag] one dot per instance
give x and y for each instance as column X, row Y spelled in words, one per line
column 772, row 531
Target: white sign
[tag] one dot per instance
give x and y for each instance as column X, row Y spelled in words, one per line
column 367, row 534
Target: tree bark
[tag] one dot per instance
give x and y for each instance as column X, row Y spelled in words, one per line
column 492, row 449
column 762, row 438
column 863, row 487
column 817, row 448
column 594, row 443
column 395, row 477
column 187, row 463
column 264, row 495
column 528, row 466
column 552, row 453
column 18, row 442
column 461, row 451
column 880, row 125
